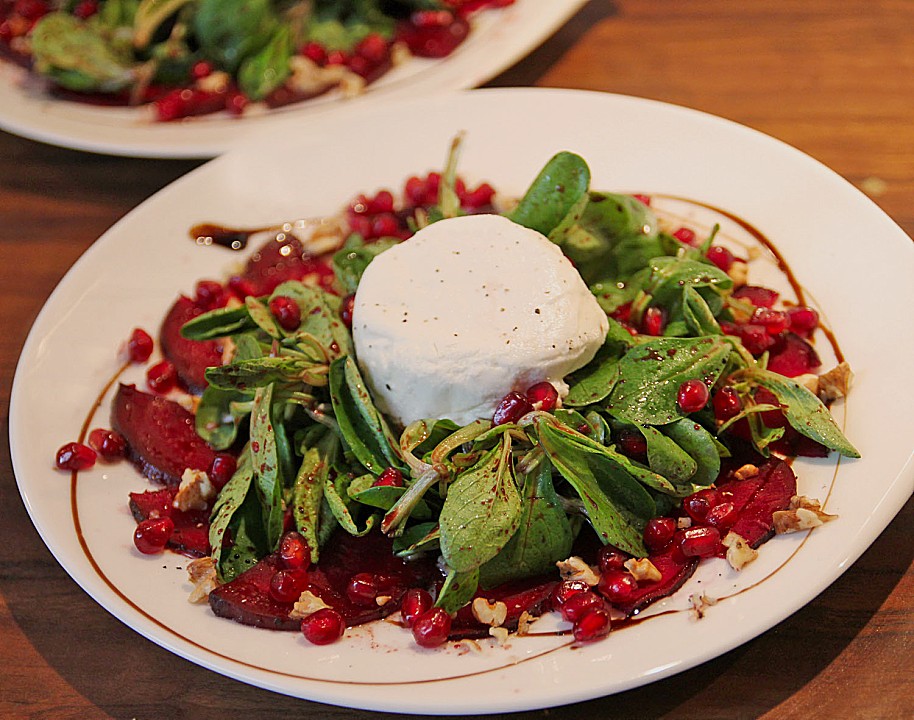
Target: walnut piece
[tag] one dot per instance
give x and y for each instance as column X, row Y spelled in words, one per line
column 739, row 273
column 500, row 634
column 684, row 523
column 215, row 82
column 487, row 613
column 745, row 472
column 202, row 575
column 574, row 568
column 643, row 570
column 306, row 604
column 700, row 604
column 739, row 552
column 195, row 491
column 804, row 513
column 524, row 622
column 835, row 383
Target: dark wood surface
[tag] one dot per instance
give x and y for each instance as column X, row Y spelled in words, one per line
column 835, row 78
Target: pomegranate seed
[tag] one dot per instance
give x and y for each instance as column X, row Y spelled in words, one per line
column 609, row 558
column 512, row 408
column 209, row 295
column 323, row 627
column 431, row 628
column 593, row 625
column 109, row 444
column 433, row 33
column 75, row 456
column 384, row 225
column 579, row 603
column 644, row 199
column 336, row 57
column 700, row 542
column 287, row 585
column 363, row 589
column 659, row 532
column 727, row 403
column 481, row 196
column 414, row 190
column 774, row 321
column 685, row 235
column 373, row 48
column 346, row 310
column 803, row 320
column 241, row 287
column 722, row 516
column 617, row 586
column 315, row 52
column 294, row 551
column 565, row 590
column 359, row 65
column 162, row 377
column 287, row 312
column 391, row 477
column 85, row 9
column 721, row 257
column 201, row 69
column 432, row 183
column 383, row 202
column 151, row 536
column 543, row 396
column 757, row 295
column 416, row 602
column 792, row 356
column 31, row 9
column 139, row 346
column 755, row 338
column 632, row 443
column 221, row 469
column 654, row 321
column 692, row 396
column 698, row 504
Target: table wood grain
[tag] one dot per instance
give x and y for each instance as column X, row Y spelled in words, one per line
column 834, row 78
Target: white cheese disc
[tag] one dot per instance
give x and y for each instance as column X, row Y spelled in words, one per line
column 468, row 309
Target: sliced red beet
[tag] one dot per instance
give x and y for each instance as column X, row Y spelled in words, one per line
column 757, row 498
column 191, row 533
column 246, row 599
column 792, row 356
column 757, row 295
column 280, row 260
column 675, row 569
column 190, row 357
column 160, row 434
column 532, row 596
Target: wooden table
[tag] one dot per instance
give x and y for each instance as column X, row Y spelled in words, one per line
column 832, row 77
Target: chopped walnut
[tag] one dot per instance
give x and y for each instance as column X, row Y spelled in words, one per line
column 195, row 491
column 188, row 402
column 229, row 348
column 202, row 575
column 804, row 513
column 524, row 622
column 739, row 552
column 745, row 472
column 306, row 604
column 215, row 82
column 487, row 613
column 309, row 77
column 500, row 634
column 810, row 381
column 700, row 604
column 399, row 53
column 382, row 600
column 643, row 570
column 835, row 383
column 574, row 568
column 739, row 273
column 683, row 523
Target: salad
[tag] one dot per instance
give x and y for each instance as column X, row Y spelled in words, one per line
column 312, row 502
column 195, row 57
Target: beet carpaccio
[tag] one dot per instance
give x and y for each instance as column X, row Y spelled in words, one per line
column 464, row 412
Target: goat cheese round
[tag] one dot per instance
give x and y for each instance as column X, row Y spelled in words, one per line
column 468, row 309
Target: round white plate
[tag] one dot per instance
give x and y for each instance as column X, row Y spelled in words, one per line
column 499, row 39
column 853, row 261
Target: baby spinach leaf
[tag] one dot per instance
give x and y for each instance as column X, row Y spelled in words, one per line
column 265, row 464
column 700, row 445
column 219, row 415
column 554, row 193
column 268, row 68
column 594, row 381
column 261, row 315
column 650, row 375
column 385, row 497
column 458, row 589
column 308, row 489
column 249, row 374
column 229, row 31
column 350, row 263
column 669, row 275
column 150, row 14
column 697, row 313
column 218, row 323
column 666, row 458
column 481, row 511
column 416, row 539
column 249, row 541
column 320, row 317
column 335, row 498
column 230, row 500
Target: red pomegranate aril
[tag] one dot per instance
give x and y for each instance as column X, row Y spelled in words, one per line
column 391, row 477
column 685, row 235
column 315, row 52
column 727, row 403
column 512, row 408
column 578, row 604
column 565, row 590
column 701, row 542
column 241, row 287
column 382, row 202
column 757, row 295
column 431, row 628
column 722, row 516
column 692, row 396
column 478, row 197
column 416, row 602
column 721, row 257
column 287, row 585
column 654, row 321
column 384, row 225
column 287, row 312
column 336, row 57
column 803, row 320
column 414, row 190
column 373, row 48
column 632, row 443
column 617, row 586
column 432, row 183
column 543, row 396
column 109, row 444
column 346, row 310
column 221, row 469
column 359, row 65
column 235, row 101
column 201, row 69
column 610, row 558
column 363, row 589
column 699, row 504
column 659, row 532
column 209, row 295
column 31, row 9
column 643, row 199
column 139, row 346
column 774, row 321
column 162, row 377
column 75, row 456
column 85, row 9
column 323, row 627
column 755, row 338
column 294, row 551
column 433, row 34
column 593, row 625
column 151, row 536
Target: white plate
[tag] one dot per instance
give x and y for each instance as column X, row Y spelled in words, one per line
column 499, row 39
column 851, row 258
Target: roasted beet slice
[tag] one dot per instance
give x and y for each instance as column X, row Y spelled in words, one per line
column 190, row 357
column 757, row 498
column 531, row 596
column 285, row 259
column 161, row 439
column 191, row 533
column 246, row 599
column 675, row 568
column 792, row 356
